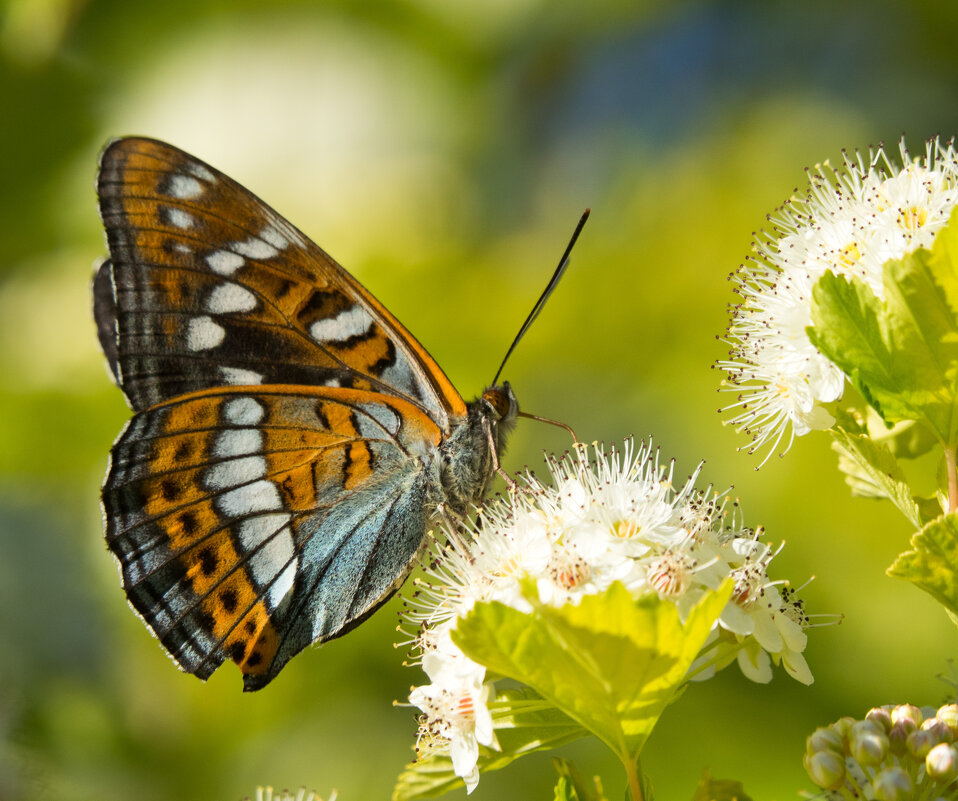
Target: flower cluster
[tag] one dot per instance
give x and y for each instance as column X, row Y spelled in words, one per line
column 896, row 752
column 851, row 221
column 268, row 794
column 615, row 518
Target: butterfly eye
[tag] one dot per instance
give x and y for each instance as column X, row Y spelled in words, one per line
column 498, row 399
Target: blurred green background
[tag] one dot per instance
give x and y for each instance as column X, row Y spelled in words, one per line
column 442, row 150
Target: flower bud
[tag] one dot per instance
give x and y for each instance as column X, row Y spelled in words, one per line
column 919, row 743
column 868, row 743
column 892, row 784
column 939, row 730
column 826, row 769
column 941, row 763
column 898, row 736
column 948, row 715
column 843, row 727
column 907, row 712
column 880, row 715
column 824, row 738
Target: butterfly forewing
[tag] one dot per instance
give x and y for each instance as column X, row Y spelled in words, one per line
column 209, row 286
column 251, row 522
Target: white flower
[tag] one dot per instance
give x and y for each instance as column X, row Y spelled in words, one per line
column 455, row 718
column 618, row 517
column 851, row 221
column 268, row 794
column 444, row 663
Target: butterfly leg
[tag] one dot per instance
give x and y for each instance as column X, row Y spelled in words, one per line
column 494, row 452
column 453, row 523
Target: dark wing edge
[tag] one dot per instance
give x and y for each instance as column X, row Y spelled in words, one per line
column 104, row 314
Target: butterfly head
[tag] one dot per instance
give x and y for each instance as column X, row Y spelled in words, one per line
column 471, row 450
column 501, row 409
column 501, row 400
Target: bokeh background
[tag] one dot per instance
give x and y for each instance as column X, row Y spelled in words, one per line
column 443, row 150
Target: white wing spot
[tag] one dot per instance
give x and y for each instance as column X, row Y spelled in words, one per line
column 255, row 248
column 230, row 298
column 274, row 237
column 185, row 187
column 238, row 377
column 260, row 496
column 287, row 231
column 236, row 472
column 201, row 172
column 283, row 584
column 181, row 247
column 204, row 334
column 348, row 323
column 269, row 560
column 254, row 531
column 178, row 218
column 243, row 411
column 270, row 538
column 238, row 442
column 224, row 262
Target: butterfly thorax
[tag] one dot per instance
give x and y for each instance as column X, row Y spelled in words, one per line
column 468, row 466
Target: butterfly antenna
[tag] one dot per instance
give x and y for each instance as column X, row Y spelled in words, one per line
column 550, row 288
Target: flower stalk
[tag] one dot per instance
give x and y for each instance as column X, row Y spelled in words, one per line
column 951, row 466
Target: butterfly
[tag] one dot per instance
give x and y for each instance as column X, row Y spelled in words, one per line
column 290, row 438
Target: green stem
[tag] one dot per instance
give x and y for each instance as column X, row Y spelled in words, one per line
column 952, row 478
column 634, row 776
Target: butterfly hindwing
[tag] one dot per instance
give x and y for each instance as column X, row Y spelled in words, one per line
column 208, row 286
column 250, row 522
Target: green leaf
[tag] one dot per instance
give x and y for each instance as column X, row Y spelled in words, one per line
column 933, row 563
column 611, row 663
column 930, row 508
column 429, row 777
column 900, row 353
column 710, row 789
column 523, row 722
column 872, row 472
column 908, row 439
column 851, row 419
